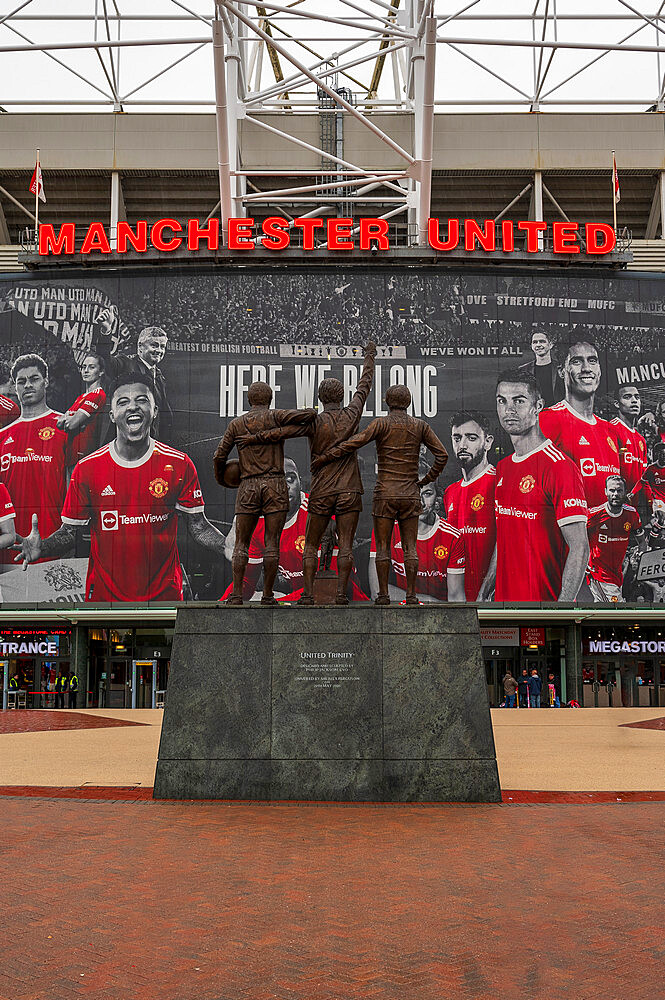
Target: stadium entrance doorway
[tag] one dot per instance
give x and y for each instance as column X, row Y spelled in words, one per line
column 111, row 682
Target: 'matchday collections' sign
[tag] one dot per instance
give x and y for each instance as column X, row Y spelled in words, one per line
column 275, row 233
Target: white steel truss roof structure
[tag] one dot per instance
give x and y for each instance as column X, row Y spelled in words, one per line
column 340, row 60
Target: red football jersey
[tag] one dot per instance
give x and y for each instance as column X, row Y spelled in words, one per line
column 653, row 483
column 608, row 541
column 535, row 495
column 591, row 444
column 440, row 551
column 470, row 508
column 83, row 443
column 291, row 547
column 632, row 452
column 9, row 411
column 7, row 512
column 132, row 510
column 33, row 457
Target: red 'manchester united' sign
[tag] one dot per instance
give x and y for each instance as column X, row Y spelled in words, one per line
column 277, row 233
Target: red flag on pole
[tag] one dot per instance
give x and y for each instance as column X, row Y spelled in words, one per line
column 615, row 181
column 37, row 184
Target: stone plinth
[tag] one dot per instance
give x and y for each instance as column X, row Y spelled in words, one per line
column 340, row 704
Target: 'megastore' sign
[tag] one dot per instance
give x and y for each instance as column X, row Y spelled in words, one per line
column 276, row 233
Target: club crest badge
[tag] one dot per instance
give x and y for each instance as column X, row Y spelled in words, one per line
column 159, row 487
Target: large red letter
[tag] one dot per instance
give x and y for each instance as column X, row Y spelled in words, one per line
column 138, row 239
column 240, row 234
column 374, row 229
column 593, row 231
column 472, row 232
column 532, row 229
column 565, row 237
column 308, row 226
column 157, row 239
column 196, row 233
column 96, row 239
column 337, row 229
column 50, row 243
column 275, row 236
column 507, row 237
column 433, row 234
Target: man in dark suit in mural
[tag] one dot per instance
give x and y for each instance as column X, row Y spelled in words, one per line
column 150, row 350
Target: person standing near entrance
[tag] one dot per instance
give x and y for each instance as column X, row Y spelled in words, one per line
column 535, row 689
column 523, row 689
column 73, row 689
column 60, row 688
column 510, row 689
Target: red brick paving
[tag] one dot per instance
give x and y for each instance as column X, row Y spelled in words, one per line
column 133, row 793
column 117, row 793
column 647, row 724
column 42, row 720
column 212, row 901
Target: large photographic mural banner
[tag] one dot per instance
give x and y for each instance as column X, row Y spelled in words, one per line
column 546, row 389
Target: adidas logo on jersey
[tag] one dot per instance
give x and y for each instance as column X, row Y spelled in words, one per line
column 9, row 440
column 583, row 440
column 108, row 491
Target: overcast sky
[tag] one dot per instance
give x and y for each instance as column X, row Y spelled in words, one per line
column 616, row 77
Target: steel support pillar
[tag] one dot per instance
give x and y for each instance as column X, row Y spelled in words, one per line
column 4, row 228
column 117, row 208
column 427, row 141
column 416, row 80
column 661, row 183
column 221, row 117
column 537, row 202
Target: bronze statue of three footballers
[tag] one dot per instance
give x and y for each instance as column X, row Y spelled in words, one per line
column 336, row 485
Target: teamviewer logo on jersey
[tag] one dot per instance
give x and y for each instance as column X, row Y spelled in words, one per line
column 587, row 467
column 109, row 520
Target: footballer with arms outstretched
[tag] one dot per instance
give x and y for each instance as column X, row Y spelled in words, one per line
column 130, row 492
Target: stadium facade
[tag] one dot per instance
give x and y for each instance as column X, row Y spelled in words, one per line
column 458, row 329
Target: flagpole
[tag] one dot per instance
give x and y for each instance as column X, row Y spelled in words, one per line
column 614, row 191
column 37, row 202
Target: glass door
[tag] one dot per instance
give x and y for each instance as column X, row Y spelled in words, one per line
column 119, row 682
column 144, row 671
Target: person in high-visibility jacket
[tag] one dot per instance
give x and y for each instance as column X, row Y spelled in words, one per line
column 13, row 683
column 61, row 685
column 73, row 689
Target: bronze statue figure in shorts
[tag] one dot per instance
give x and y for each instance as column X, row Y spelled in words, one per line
column 336, row 487
column 397, row 492
column 262, row 490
